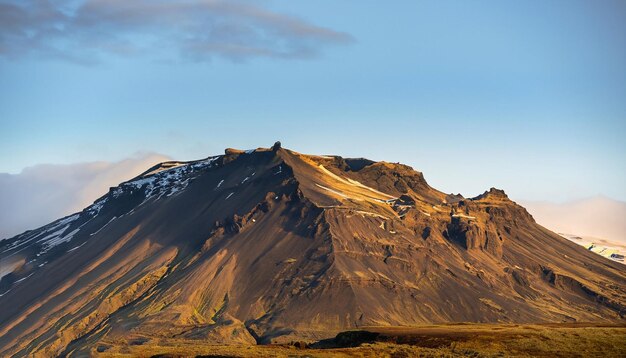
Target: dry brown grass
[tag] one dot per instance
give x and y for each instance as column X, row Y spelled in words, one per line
column 473, row 340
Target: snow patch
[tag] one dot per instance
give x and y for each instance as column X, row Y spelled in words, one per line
column 463, row 216
column 105, row 225
column 333, row 191
column 22, row 279
column 95, row 208
column 173, row 191
column 74, row 248
column 164, row 183
column 49, row 231
column 54, row 234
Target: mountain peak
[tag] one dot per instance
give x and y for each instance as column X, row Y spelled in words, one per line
column 271, row 245
column 493, row 193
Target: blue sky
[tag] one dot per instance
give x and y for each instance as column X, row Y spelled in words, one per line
column 526, row 96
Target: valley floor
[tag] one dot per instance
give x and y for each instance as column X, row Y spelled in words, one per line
column 450, row 340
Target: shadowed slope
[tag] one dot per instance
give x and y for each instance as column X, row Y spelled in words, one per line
column 268, row 245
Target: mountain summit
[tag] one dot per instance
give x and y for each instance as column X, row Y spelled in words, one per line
column 271, row 245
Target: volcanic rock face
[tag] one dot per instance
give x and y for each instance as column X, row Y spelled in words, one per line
column 270, row 245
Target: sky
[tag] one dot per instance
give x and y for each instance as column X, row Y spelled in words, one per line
column 46, row 192
column 527, row 96
column 594, row 219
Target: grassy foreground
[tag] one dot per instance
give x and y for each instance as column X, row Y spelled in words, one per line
column 453, row 340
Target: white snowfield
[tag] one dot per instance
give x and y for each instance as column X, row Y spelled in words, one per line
column 59, row 240
column 50, row 236
column 167, row 182
column 611, row 250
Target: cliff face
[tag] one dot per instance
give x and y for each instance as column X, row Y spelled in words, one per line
column 269, row 245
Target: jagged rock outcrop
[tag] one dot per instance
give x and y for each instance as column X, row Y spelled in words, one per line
column 269, row 244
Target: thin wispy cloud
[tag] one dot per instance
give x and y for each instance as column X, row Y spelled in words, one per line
column 197, row 30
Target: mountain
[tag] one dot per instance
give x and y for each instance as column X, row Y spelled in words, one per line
column 270, row 245
column 45, row 192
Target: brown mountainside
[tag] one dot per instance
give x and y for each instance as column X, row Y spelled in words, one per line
column 271, row 245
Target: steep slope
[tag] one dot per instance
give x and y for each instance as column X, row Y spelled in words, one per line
column 267, row 245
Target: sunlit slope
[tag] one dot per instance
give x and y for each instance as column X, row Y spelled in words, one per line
column 269, row 245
